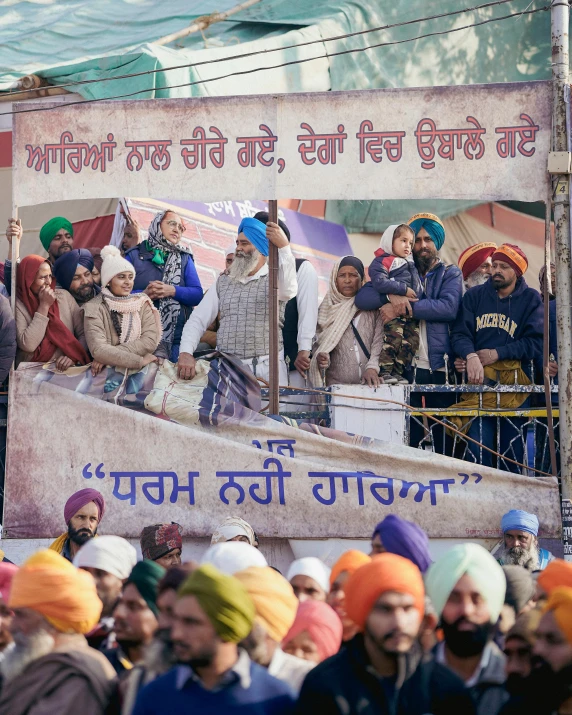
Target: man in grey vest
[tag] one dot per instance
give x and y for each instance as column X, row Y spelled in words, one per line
column 240, row 299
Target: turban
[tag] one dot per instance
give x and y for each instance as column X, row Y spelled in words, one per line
column 7, row 572
column 348, row 562
column 230, row 249
column 511, row 254
column 557, row 573
column 66, row 265
column 525, row 627
column 273, row 599
column 107, row 553
column 432, row 225
column 322, row 624
column 385, row 572
column 313, row 568
column 520, row 587
column 66, row 597
column 478, row 563
column 560, row 603
column 49, row 230
column 354, row 263
column 406, row 539
column 145, row 576
column 233, row 526
column 232, row 556
column 175, row 576
column 474, row 256
column 78, row 500
column 224, row 600
column 520, row 521
column 255, row 231
column 159, row 539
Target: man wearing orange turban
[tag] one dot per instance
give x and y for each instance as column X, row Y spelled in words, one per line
column 385, row 599
column 344, row 567
column 52, row 668
column 476, row 264
column 557, row 573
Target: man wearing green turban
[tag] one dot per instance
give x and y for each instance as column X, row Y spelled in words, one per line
column 213, row 612
column 56, row 236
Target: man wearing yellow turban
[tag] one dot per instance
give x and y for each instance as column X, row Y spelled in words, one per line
column 52, row 668
column 276, row 606
column 213, row 613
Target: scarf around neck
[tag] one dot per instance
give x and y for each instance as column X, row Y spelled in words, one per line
column 128, row 309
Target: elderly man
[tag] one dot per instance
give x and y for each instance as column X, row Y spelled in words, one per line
column 310, row 579
column 73, row 270
column 476, row 264
column 520, row 542
column 497, row 334
column 110, row 560
column 467, row 589
column 404, row 538
column 241, row 299
column 162, row 543
column 233, row 528
column 83, row 512
column 276, row 606
column 52, row 669
column 212, row 614
column 382, row 669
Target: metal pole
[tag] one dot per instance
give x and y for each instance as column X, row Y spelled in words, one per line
column 546, row 290
column 274, row 372
column 15, row 259
column 560, row 15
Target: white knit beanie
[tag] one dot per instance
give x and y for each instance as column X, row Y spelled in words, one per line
column 113, row 263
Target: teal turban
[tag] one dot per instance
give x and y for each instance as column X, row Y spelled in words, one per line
column 475, row 561
column 49, row 230
column 432, row 224
column 145, row 576
column 255, row 231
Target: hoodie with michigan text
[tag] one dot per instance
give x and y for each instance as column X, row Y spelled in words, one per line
column 513, row 326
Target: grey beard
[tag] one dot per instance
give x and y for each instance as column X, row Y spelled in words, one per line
column 26, row 650
column 517, row 556
column 476, row 279
column 242, row 266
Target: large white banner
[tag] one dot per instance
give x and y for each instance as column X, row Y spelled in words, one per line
column 487, row 142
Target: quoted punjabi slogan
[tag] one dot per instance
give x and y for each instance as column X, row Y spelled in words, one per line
column 271, row 480
column 210, row 148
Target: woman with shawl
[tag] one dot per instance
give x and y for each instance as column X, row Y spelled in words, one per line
column 49, row 323
column 348, row 341
column 165, row 271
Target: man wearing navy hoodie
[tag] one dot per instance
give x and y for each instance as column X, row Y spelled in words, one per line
column 499, row 321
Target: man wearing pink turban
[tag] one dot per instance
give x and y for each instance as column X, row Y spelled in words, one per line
column 82, row 513
column 316, row 633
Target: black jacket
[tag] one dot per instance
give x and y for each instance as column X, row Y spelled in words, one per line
column 7, row 338
column 346, row 684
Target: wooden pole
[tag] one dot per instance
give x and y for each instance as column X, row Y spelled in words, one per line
column 274, row 371
column 15, row 260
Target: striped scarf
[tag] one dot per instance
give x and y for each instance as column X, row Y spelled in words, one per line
column 126, row 314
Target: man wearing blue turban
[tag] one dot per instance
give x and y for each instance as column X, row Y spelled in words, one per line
column 519, row 546
column 72, row 271
column 240, row 299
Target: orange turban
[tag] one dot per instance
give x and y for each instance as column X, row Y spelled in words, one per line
column 557, row 573
column 560, row 603
column 385, row 572
column 350, row 561
column 64, row 595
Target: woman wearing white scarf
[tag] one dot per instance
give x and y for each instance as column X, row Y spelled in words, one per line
column 337, row 348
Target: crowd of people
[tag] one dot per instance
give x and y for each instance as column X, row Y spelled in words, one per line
column 86, row 624
column 415, row 320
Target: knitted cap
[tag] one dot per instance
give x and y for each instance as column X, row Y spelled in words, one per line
column 113, row 263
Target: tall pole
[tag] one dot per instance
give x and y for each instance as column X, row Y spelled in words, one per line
column 560, row 15
column 274, row 372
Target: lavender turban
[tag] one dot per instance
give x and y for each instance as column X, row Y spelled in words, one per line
column 78, row 500
column 406, row 539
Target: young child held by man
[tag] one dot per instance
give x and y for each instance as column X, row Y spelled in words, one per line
column 393, row 272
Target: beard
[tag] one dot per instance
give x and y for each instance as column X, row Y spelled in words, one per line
column 80, row 536
column 499, row 282
column 256, row 646
column 159, row 656
column 243, row 265
column 476, row 279
column 425, row 259
column 529, row 559
column 465, row 644
column 83, row 294
column 26, row 650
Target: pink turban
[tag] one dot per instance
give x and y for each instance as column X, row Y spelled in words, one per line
column 78, row 500
column 7, row 572
column 322, row 623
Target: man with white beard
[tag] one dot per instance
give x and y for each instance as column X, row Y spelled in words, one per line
column 240, row 298
column 519, row 546
column 476, row 264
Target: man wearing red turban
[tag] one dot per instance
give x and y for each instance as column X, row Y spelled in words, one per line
column 382, row 669
column 82, row 513
column 476, row 264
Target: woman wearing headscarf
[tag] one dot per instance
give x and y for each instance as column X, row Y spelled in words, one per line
column 165, row 271
column 49, row 322
column 348, row 341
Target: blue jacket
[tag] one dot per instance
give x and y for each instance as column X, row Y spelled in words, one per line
column 438, row 306
column 390, row 275
column 513, row 326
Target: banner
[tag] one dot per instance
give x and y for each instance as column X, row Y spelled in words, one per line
column 487, row 142
column 68, row 432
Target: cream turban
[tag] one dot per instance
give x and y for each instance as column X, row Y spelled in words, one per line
column 107, row 553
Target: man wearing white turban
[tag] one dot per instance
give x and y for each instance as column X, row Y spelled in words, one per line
column 233, row 556
column 310, row 579
column 233, row 528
